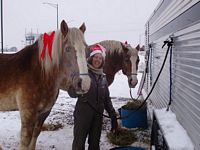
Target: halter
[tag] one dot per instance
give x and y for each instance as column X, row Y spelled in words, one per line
column 133, row 74
column 78, row 74
column 83, row 74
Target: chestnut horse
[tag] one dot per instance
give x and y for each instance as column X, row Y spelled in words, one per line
column 120, row 56
column 31, row 78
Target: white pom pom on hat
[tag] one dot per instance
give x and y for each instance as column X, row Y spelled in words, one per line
column 98, row 49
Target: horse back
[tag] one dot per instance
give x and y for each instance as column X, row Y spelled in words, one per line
column 16, row 67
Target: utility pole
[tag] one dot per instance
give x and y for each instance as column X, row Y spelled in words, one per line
column 2, row 26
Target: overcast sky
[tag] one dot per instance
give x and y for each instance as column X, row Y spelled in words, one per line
column 105, row 19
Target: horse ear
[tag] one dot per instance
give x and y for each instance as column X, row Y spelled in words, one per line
column 83, row 28
column 138, row 47
column 64, row 28
column 124, row 47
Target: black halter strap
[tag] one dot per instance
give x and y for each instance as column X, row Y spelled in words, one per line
column 133, row 74
column 78, row 74
column 85, row 74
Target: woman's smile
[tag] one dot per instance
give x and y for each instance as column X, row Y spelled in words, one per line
column 97, row 60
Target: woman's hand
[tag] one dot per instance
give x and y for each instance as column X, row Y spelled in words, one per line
column 114, row 124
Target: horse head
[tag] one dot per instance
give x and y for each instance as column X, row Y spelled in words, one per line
column 74, row 46
column 130, row 63
column 69, row 58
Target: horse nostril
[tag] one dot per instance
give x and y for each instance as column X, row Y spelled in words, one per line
column 79, row 83
column 132, row 82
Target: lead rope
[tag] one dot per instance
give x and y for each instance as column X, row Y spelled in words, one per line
column 145, row 73
column 102, row 114
column 134, row 99
column 170, row 44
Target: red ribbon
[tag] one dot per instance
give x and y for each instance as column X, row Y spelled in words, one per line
column 47, row 42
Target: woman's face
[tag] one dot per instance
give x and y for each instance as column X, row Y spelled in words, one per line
column 97, row 60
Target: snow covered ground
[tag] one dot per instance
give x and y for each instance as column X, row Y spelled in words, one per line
column 62, row 115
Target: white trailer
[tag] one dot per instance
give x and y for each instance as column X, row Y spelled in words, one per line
column 178, row 20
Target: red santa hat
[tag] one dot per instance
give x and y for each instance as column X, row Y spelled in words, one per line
column 98, row 49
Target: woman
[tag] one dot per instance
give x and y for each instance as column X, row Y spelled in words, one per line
column 90, row 106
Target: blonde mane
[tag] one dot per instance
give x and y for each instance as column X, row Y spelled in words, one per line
column 47, row 63
column 116, row 46
column 112, row 46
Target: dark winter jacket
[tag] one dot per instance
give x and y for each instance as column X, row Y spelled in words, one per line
column 98, row 95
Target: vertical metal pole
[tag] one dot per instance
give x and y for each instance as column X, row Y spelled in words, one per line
column 55, row 6
column 2, row 26
column 57, row 15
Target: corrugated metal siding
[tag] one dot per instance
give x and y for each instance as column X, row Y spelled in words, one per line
column 160, row 95
column 173, row 8
column 185, row 65
column 186, row 93
column 177, row 20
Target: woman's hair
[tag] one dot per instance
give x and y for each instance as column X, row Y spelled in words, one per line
column 89, row 60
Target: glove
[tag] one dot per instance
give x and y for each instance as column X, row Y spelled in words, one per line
column 114, row 124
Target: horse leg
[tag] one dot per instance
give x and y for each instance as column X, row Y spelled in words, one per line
column 37, row 129
column 27, row 128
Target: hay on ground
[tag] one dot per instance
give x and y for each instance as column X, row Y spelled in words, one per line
column 122, row 137
column 51, row 127
column 134, row 104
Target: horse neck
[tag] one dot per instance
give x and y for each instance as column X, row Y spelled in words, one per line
column 35, row 68
column 25, row 63
column 28, row 57
column 113, row 63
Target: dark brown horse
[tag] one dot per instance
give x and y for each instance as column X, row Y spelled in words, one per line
column 31, row 78
column 120, row 56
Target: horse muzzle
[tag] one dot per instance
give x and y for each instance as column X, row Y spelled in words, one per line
column 132, row 82
column 82, row 84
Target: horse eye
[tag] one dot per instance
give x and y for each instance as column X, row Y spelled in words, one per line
column 67, row 49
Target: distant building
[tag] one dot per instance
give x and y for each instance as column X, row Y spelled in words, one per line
column 31, row 37
column 12, row 49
